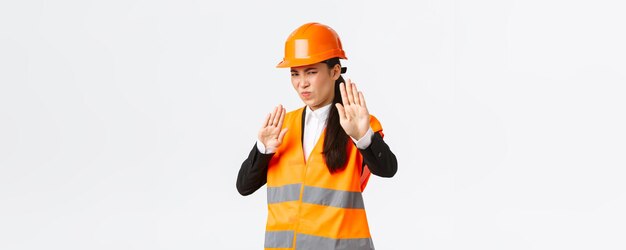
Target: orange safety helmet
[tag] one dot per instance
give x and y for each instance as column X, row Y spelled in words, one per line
column 311, row 43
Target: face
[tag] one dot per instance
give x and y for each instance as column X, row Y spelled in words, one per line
column 315, row 83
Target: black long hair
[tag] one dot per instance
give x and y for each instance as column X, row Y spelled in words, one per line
column 336, row 139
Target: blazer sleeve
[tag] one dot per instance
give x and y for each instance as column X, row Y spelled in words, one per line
column 379, row 158
column 253, row 172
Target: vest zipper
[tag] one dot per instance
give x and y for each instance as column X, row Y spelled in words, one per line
column 306, row 168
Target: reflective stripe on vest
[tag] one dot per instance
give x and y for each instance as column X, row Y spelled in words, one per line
column 311, row 242
column 283, row 193
column 333, row 198
column 279, row 239
column 284, row 239
column 315, row 195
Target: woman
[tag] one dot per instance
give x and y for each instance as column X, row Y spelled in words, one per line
column 316, row 160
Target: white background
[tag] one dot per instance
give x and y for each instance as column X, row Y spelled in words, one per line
column 123, row 124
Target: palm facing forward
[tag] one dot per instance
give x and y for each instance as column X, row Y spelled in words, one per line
column 271, row 134
column 353, row 114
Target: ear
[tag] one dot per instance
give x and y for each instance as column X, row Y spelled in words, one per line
column 336, row 72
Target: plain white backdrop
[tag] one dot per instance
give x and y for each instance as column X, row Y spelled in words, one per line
column 123, row 124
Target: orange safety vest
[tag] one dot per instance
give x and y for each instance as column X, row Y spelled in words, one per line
column 308, row 207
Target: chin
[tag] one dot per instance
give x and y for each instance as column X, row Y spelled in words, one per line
column 309, row 102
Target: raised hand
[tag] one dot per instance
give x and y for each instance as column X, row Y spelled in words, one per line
column 353, row 114
column 271, row 134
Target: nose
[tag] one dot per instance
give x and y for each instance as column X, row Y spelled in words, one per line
column 304, row 82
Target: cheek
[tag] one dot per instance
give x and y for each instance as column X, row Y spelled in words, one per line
column 319, row 81
column 325, row 88
column 294, row 83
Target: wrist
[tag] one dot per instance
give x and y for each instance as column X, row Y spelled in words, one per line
column 265, row 149
column 359, row 135
column 365, row 140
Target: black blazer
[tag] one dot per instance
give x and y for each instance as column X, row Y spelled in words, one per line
column 253, row 172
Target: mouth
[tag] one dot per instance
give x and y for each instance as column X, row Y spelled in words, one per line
column 306, row 94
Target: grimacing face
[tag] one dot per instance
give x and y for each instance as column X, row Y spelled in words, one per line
column 315, row 83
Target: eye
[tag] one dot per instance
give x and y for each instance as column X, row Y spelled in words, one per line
column 312, row 72
column 294, row 74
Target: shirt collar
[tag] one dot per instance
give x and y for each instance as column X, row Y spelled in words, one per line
column 320, row 113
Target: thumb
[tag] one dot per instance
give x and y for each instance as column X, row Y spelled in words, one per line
column 342, row 112
column 282, row 134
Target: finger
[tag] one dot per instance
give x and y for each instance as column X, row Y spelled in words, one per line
column 277, row 115
column 271, row 122
column 344, row 97
column 347, row 111
column 357, row 100
column 267, row 120
column 282, row 118
column 362, row 99
column 349, row 92
column 342, row 113
column 282, row 134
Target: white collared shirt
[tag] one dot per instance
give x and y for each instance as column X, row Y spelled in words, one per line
column 314, row 124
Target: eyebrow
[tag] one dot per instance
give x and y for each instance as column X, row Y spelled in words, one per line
column 307, row 69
